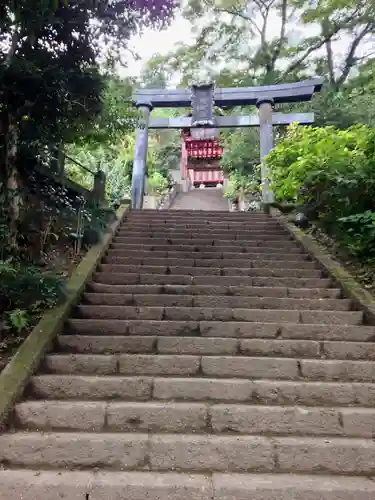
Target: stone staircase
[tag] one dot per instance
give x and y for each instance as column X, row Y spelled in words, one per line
column 209, row 359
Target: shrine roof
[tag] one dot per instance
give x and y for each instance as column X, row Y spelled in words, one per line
column 230, row 97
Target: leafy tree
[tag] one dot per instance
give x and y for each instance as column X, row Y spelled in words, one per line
column 330, row 171
column 50, row 85
column 267, row 41
column 116, row 117
column 155, row 74
column 241, row 151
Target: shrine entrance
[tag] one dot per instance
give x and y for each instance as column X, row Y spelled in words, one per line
column 203, row 122
column 201, row 153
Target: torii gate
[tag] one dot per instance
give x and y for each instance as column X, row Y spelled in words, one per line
column 202, row 98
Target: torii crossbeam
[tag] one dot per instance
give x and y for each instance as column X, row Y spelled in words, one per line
column 232, row 121
column 201, row 99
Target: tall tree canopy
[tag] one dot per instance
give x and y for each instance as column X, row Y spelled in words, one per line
column 272, row 40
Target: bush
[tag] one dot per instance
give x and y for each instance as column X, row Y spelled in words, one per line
column 47, row 222
column 241, row 184
column 24, row 291
column 332, row 172
column 358, row 234
column 157, row 184
column 241, row 152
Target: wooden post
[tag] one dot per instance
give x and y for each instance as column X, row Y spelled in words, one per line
column 57, row 164
column 61, row 164
column 98, row 189
column 265, row 107
column 140, row 154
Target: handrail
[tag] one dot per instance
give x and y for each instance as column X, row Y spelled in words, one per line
column 79, row 164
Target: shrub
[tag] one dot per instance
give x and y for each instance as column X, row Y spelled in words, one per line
column 241, row 184
column 334, row 168
column 358, row 234
column 332, row 171
column 157, row 184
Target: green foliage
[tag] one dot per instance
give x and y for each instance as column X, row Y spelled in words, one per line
column 241, row 184
column 117, row 114
column 167, row 156
column 114, row 159
column 330, row 172
column 241, row 151
column 18, row 320
column 24, row 291
column 157, row 184
column 22, row 285
column 231, row 191
column 358, row 234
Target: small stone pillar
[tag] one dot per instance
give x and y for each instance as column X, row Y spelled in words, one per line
column 140, row 154
column 241, row 201
column 98, row 189
column 265, row 107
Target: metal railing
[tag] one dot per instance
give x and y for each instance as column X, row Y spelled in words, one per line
column 58, row 172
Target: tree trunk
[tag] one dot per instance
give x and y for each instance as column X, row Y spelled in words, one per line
column 12, row 180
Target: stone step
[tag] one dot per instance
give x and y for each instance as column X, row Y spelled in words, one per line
column 290, row 487
column 202, row 239
column 227, row 390
column 211, row 271
column 172, row 417
column 290, row 248
column 224, row 218
column 236, row 329
column 200, row 218
column 173, row 244
column 200, row 226
column 194, row 261
column 105, row 485
column 275, row 234
column 225, row 224
column 180, row 254
column 243, row 291
column 147, row 344
column 50, row 485
column 197, row 215
column 189, row 452
column 259, row 392
column 219, row 314
column 168, row 279
column 173, row 300
column 259, row 367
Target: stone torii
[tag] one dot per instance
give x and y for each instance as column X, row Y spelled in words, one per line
column 202, row 98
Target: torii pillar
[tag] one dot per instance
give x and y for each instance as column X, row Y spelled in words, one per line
column 265, row 107
column 140, row 154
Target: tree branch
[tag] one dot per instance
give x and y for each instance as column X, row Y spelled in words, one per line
column 327, row 37
column 351, row 59
column 13, row 49
column 329, row 51
column 284, row 12
column 240, row 15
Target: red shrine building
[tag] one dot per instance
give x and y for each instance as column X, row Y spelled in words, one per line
column 200, row 157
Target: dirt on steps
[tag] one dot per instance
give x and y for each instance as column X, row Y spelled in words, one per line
column 210, row 358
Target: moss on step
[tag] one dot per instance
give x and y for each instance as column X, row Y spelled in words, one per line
column 362, row 299
column 25, row 362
